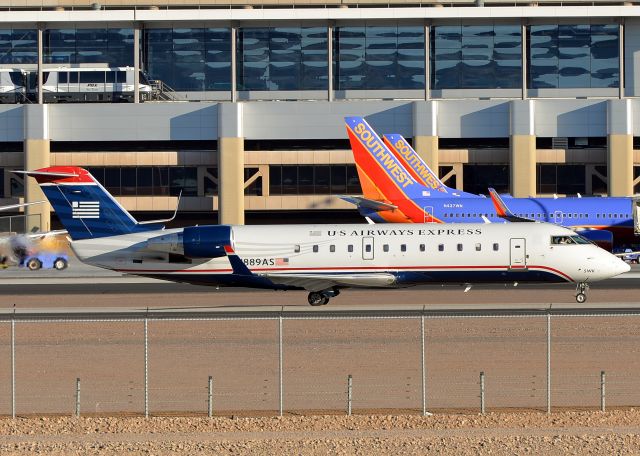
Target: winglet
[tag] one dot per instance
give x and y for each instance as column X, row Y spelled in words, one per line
column 503, row 211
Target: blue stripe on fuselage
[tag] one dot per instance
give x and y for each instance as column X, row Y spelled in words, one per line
column 568, row 212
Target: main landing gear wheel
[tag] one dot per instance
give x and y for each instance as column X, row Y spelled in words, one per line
column 581, row 292
column 318, row 299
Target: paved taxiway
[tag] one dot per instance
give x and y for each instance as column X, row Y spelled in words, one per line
column 84, row 286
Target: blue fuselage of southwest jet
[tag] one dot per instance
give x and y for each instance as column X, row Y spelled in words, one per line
column 610, row 213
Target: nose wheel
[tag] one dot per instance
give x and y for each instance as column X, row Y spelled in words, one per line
column 581, row 292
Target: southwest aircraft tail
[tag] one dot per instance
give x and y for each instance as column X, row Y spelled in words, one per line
column 418, row 169
column 83, row 206
column 383, row 177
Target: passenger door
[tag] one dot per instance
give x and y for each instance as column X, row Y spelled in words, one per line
column 558, row 216
column 517, row 253
column 367, row 248
column 428, row 214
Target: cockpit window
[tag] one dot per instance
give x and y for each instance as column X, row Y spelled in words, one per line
column 569, row 240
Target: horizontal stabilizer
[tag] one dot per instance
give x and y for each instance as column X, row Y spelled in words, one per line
column 503, row 211
column 366, row 203
column 18, row 206
column 319, row 282
column 46, row 173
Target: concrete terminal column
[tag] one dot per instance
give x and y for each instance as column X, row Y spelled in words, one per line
column 425, row 132
column 37, row 154
column 230, row 164
column 522, row 148
column 619, row 147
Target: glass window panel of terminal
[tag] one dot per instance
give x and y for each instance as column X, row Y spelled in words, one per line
column 113, row 47
column 573, row 56
column 189, row 59
column 476, row 56
column 18, row 46
column 282, row 58
column 217, row 71
column 379, row 57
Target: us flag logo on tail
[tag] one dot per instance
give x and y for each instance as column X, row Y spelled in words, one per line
column 85, row 209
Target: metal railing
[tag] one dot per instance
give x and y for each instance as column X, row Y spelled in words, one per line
column 330, row 361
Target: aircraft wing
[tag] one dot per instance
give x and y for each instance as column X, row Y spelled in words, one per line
column 359, row 201
column 503, row 211
column 319, row 282
column 18, row 206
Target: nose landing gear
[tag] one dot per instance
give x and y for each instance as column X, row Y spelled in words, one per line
column 321, row 298
column 581, row 292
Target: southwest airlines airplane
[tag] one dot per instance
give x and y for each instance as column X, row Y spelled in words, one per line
column 399, row 187
column 322, row 259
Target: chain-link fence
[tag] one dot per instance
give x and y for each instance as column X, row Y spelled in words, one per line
column 281, row 362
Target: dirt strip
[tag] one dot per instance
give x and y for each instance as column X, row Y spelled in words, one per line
column 615, row 432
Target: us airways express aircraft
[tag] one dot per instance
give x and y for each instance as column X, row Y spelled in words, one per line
column 399, row 187
column 323, row 259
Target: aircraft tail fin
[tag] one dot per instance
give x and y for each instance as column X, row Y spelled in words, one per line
column 84, row 207
column 414, row 164
column 382, row 176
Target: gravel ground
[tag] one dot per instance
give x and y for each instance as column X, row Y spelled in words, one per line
column 615, row 432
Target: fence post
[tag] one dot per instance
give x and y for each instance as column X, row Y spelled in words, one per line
column 77, row 397
column 13, row 365
column 482, row 393
column 349, row 393
column 548, row 362
column 210, row 397
column 602, row 391
column 280, row 365
column 146, row 367
column 424, row 368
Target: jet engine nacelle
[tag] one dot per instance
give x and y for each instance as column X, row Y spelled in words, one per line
column 194, row 242
column 602, row 238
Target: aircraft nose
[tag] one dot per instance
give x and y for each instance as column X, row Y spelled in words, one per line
column 621, row 267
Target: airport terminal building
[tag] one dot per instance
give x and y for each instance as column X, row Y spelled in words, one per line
column 240, row 105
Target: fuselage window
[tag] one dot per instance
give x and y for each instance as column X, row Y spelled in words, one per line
column 597, row 215
column 367, row 248
column 332, row 248
column 350, row 248
column 459, row 247
column 403, row 247
column 315, row 249
column 296, row 248
column 385, row 248
column 422, row 247
column 440, row 247
column 478, row 247
column 496, row 246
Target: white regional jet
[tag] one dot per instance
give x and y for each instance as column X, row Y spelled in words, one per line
column 322, row 259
